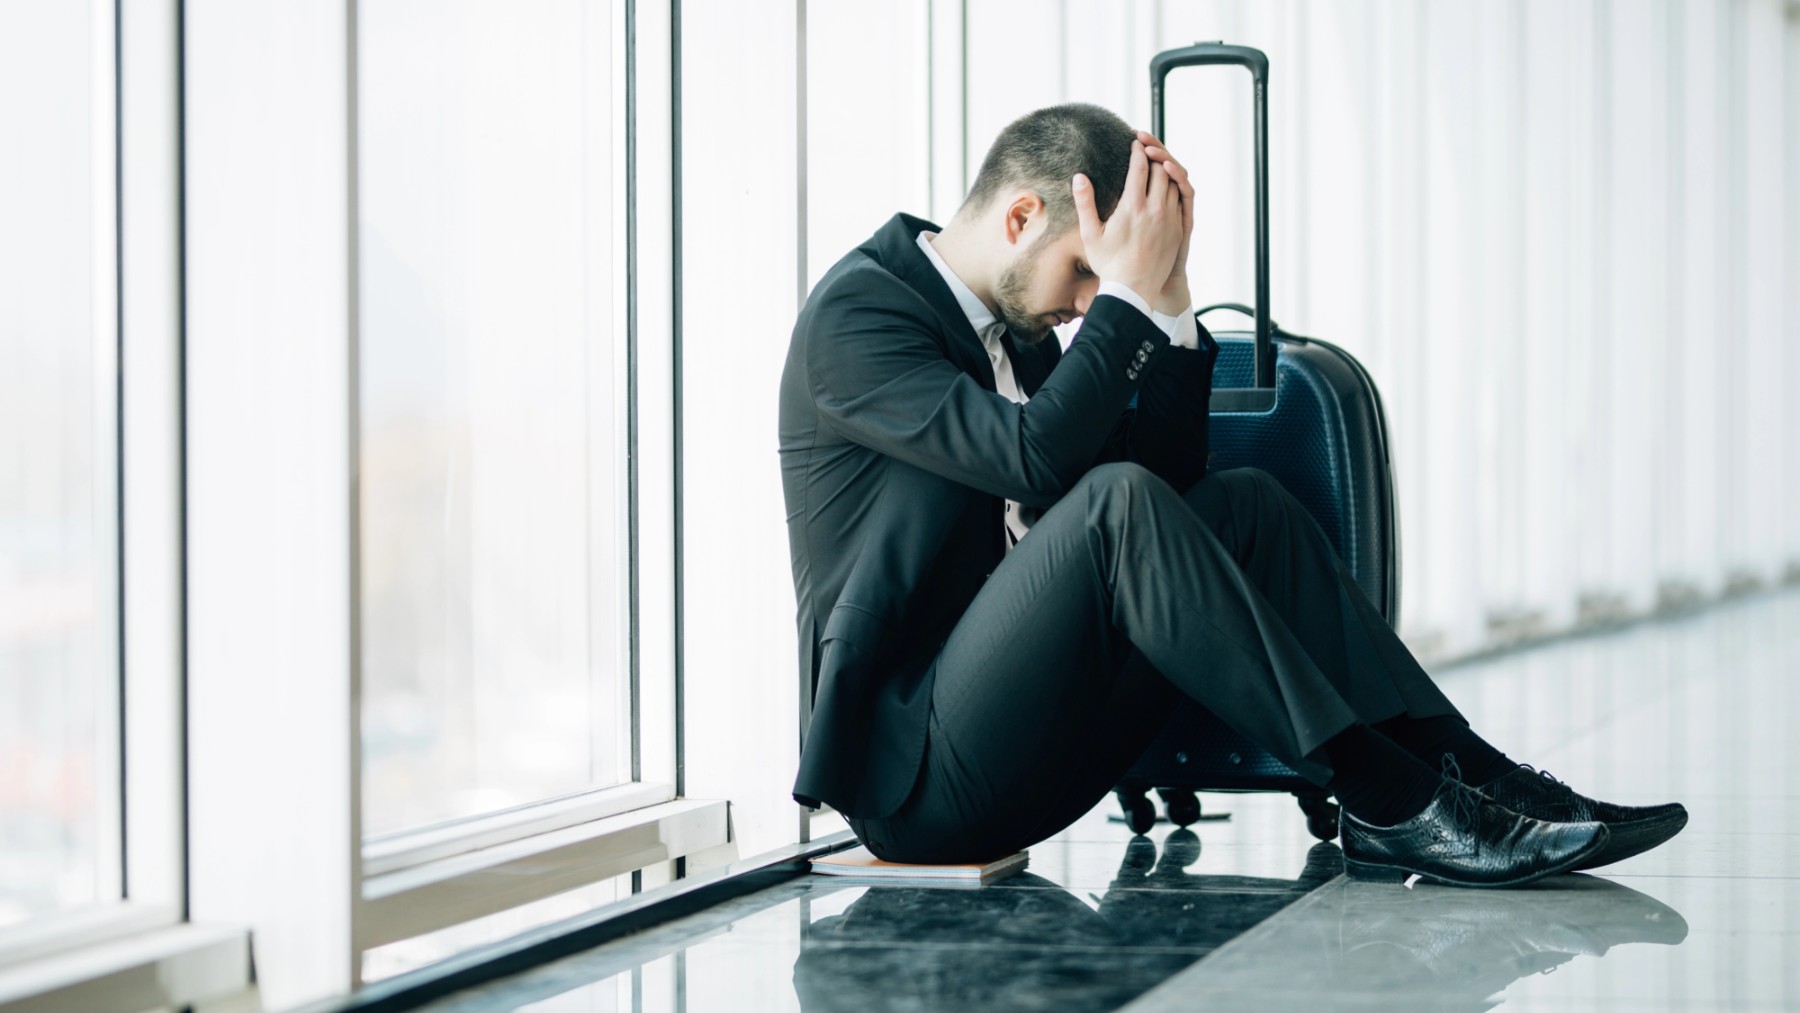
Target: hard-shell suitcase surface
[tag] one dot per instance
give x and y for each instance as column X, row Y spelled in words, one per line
column 1306, row 412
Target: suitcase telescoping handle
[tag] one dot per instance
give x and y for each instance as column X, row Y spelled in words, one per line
column 1204, row 54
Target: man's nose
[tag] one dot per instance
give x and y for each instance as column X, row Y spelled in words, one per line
column 1084, row 297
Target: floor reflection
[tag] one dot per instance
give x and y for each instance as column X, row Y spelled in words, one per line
column 1450, row 948
column 1154, row 901
column 1028, row 944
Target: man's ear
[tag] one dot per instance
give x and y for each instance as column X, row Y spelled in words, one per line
column 1022, row 209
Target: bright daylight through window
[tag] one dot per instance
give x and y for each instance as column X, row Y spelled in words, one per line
column 492, row 403
column 59, row 674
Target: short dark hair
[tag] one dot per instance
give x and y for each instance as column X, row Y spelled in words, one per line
column 1042, row 152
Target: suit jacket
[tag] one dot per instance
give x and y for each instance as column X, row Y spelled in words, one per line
column 897, row 455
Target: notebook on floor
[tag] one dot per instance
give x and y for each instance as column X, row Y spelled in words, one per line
column 857, row 863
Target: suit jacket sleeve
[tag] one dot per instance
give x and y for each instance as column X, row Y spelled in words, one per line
column 880, row 376
column 1167, row 431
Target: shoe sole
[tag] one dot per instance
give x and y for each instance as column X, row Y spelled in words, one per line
column 1628, row 840
column 1399, row 874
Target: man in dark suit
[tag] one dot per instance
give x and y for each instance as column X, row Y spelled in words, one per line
column 1009, row 559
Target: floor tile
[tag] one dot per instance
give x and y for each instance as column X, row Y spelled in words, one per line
column 1715, row 854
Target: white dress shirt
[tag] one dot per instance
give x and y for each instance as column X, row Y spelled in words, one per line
column 1180, row 328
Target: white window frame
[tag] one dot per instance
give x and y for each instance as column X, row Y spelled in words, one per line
column 273, row 499
column 138, row 951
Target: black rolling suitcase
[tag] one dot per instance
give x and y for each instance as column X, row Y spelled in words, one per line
column 1307, row 413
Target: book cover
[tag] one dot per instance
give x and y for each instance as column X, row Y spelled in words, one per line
column 859, row 863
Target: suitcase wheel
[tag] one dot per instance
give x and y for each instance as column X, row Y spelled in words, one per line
column 1321, row 815
column 1182, row 806
column 1140, row 815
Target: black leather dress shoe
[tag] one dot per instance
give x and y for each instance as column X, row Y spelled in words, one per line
column 1631, row 830
column 1464, row 838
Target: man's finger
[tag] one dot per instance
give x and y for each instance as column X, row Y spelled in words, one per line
column 1169, row 200
column 1136, row 177
column 1159, row 186
column 1179, row 174
column 1186, row 191
column 1085, row 215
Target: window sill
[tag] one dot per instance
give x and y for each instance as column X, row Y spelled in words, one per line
column 540, row 945
column 176, row 966
column 413, row 848
column 437, row 894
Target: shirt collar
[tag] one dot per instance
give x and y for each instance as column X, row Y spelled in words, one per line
column 980, row 317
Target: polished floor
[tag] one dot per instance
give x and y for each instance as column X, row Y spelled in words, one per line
column 1250, row 913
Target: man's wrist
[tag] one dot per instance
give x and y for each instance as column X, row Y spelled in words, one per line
column 1120, row 290
column 1182, row 329
column 1173, row 300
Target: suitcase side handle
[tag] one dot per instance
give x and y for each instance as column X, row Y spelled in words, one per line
column 1236, row 307
column 1204, row 54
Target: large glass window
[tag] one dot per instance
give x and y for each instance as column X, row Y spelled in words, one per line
column 59, row 701
column 492, row 429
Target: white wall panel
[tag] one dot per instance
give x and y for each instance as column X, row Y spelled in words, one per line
column 868, row 147
column 1013, row 57
column 272, row 811
column 1396, row 165
column 1633, row 304
column 1587, row 327
column 1498, row 526
column 1545, row 329
column 739, row 264
column 1440, row 532
column 1791, row 309
column 1760, row 424
column 946, row 24
column 1699, row 147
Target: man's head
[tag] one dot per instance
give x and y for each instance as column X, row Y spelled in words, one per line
column 1019, row 217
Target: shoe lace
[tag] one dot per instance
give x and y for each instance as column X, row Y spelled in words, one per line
column 1562, row 801
column 1465, row 802
column 1545, row 774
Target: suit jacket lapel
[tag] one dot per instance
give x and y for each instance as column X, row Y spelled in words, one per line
column 896, row 247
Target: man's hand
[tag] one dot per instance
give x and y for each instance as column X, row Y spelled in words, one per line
column 1138, row 245
column 1173, row 297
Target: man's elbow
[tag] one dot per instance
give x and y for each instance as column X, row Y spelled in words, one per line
column 1048, row 481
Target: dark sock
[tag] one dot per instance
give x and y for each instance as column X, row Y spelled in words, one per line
column 1375, row 780
column 1430, row 738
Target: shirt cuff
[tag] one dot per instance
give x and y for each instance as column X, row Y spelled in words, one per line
column 1180, row 328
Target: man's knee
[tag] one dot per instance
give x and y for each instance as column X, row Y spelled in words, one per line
column 1233, row 502
column 1117, row 493
column 1119, row 479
